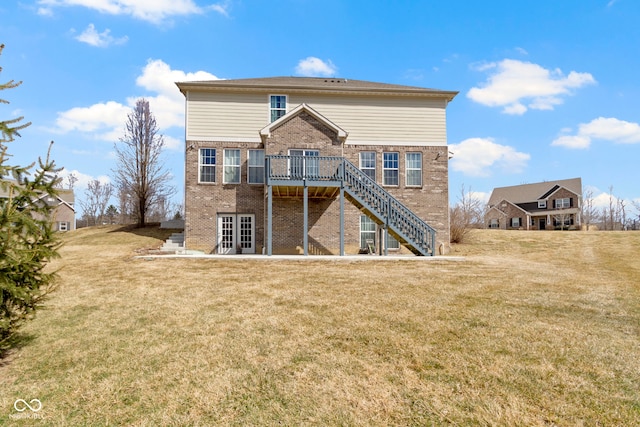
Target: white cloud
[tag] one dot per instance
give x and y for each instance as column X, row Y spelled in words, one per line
column 517, row 86
column 106, row 120
column 315, row 67
column 94, row 38
column 83, row 179
column 45, row 11
column 604, row 128
column 481, row 156
column 601, row 200
column 172, row 143
column 168, row 104
column 572, row 141
column 522, row 51
column 155, row 11
column 98, row 119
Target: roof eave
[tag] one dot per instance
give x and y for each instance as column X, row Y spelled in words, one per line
column 221, row 86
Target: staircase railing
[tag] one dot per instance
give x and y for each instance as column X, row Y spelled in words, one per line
column 364, row 192
column 399, row 220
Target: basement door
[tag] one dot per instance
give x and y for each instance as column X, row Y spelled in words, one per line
column 236, row 232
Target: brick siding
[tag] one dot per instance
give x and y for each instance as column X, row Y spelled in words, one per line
column 203, row 202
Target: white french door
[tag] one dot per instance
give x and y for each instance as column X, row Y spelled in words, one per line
column 236, row 232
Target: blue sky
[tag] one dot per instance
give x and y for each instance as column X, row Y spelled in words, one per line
column 548, row 89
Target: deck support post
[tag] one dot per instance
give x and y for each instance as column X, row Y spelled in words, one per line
column 305, row 204
column 269, row 220
column 341, row 220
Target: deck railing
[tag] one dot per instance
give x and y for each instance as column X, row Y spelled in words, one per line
column 399, row 220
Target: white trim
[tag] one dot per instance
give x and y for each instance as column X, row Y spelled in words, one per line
column 397, row 143
column 237, row 167
column 266, row 131
column 224, row 139
column 562, row 187
column 215, row 166
column 250, row 167
column 555, row 203
column 286, row 106
column 397, row 169
column 235, row 224
column 406, row 169
column 375, row 163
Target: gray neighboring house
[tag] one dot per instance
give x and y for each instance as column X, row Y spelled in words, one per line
column 549, row 205
column 64, row 214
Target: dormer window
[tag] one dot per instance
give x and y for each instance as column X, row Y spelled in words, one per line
column 277, row 106
column 542, row 204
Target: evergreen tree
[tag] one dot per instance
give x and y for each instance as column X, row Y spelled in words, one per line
column 27, row 239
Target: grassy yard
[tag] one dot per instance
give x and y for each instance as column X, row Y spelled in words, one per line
column 532, row 328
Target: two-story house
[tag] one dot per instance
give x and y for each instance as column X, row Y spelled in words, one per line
column 294, row 165
column 63, row 215
column 540, row 206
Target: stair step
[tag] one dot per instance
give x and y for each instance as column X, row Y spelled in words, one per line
column 175, row 242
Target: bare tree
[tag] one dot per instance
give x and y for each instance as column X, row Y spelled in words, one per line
column 634, row 222
column 468, row 213
column 71, row 180
column 97, row 197
column 589, row 211
column 562, row 219
column 140, row 172
column 126, row 205
column 611, row 213
column 622, row 213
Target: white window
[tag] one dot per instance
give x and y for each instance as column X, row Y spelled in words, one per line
column 367, row 233
column 414, row 169
column 63, row 226
column 304, row 163
column 231, row 167
column 255, row 170
column 392, row 243
column 277, row 107
column 563, row 203
column 494, row 223
column 368, row 163
column 207, row 165
column 542, row 204
column 515, row 222
column 390, row 169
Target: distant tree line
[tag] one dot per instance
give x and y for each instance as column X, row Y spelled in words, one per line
column 617, row 214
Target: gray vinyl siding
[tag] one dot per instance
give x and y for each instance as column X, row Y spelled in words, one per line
column 392, row 120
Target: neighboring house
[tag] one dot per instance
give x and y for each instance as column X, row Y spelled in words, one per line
column 541, row 206
column 293, row 165
column 63, row 216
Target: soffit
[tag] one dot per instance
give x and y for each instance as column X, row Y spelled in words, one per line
column 313, row 85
